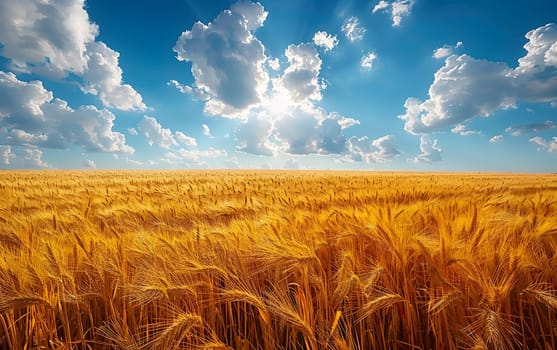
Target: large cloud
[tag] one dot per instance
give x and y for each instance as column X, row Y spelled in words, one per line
column 466, row 87
column 30, row 116
column 53, row 33
column 56, row 38
column 463, row 88
column 227, row 59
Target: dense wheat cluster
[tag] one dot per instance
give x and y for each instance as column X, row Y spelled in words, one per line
column 277, row 260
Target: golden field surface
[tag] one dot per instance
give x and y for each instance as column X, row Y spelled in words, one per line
column 277, row 260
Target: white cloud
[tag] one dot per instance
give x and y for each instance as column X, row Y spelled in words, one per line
column 299, row 132
column 133, row 131
column 90, row 164
column 462, row 130
column 185, row 139
column 185, row 89
column 466, row 87
column 366, row 61
column 52, row 35
column 227, row 59
column 346, row 122
column 386, row 148
column 301, row 78
column 381, row 5
column 206, row 130
column 274, row 63
column 446, row 50
column 531, row 128
column 325, row 40
column 288, row 121
column 252, row 136
column 398, row 9
column 496, row 139
column 430, row 151
column 541, row 48
column 193, row 156
column 253, row 14
column 352, row 29
column 463, row 88
column 549, row 146
column 361, row 149
column 103, row 76
column 30, row 116
column 401, row 9
column 56, row 38
column 155, row 133
column 33, row 157
column 5, row 155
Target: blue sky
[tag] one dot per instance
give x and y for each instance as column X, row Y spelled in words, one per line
column 423, row 85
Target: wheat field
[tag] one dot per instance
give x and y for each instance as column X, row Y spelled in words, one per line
column 277, row 260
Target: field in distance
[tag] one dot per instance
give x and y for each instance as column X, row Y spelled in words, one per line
column 277, row 260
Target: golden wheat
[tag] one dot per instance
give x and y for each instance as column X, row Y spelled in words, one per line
column 277, row 260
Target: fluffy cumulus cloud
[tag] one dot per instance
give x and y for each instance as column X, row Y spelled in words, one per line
column 466, row 87
column 56, row 38
column 289, row 121
column 301, row 78
column 278, row 115
column 361, row 149
column 446, row 50
column 463, row 88
column 352, row 29
column 103, row 77
column 252, row 137
column 34, row 157
column 228, row 61
column 398, row 9
column 51, row 34
column 155, row 133
column 430, row 151
column 325, row 40
column 31, row 117
column 299, row 131
column 366, row 62
column 549, row 146
column 532, row 128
